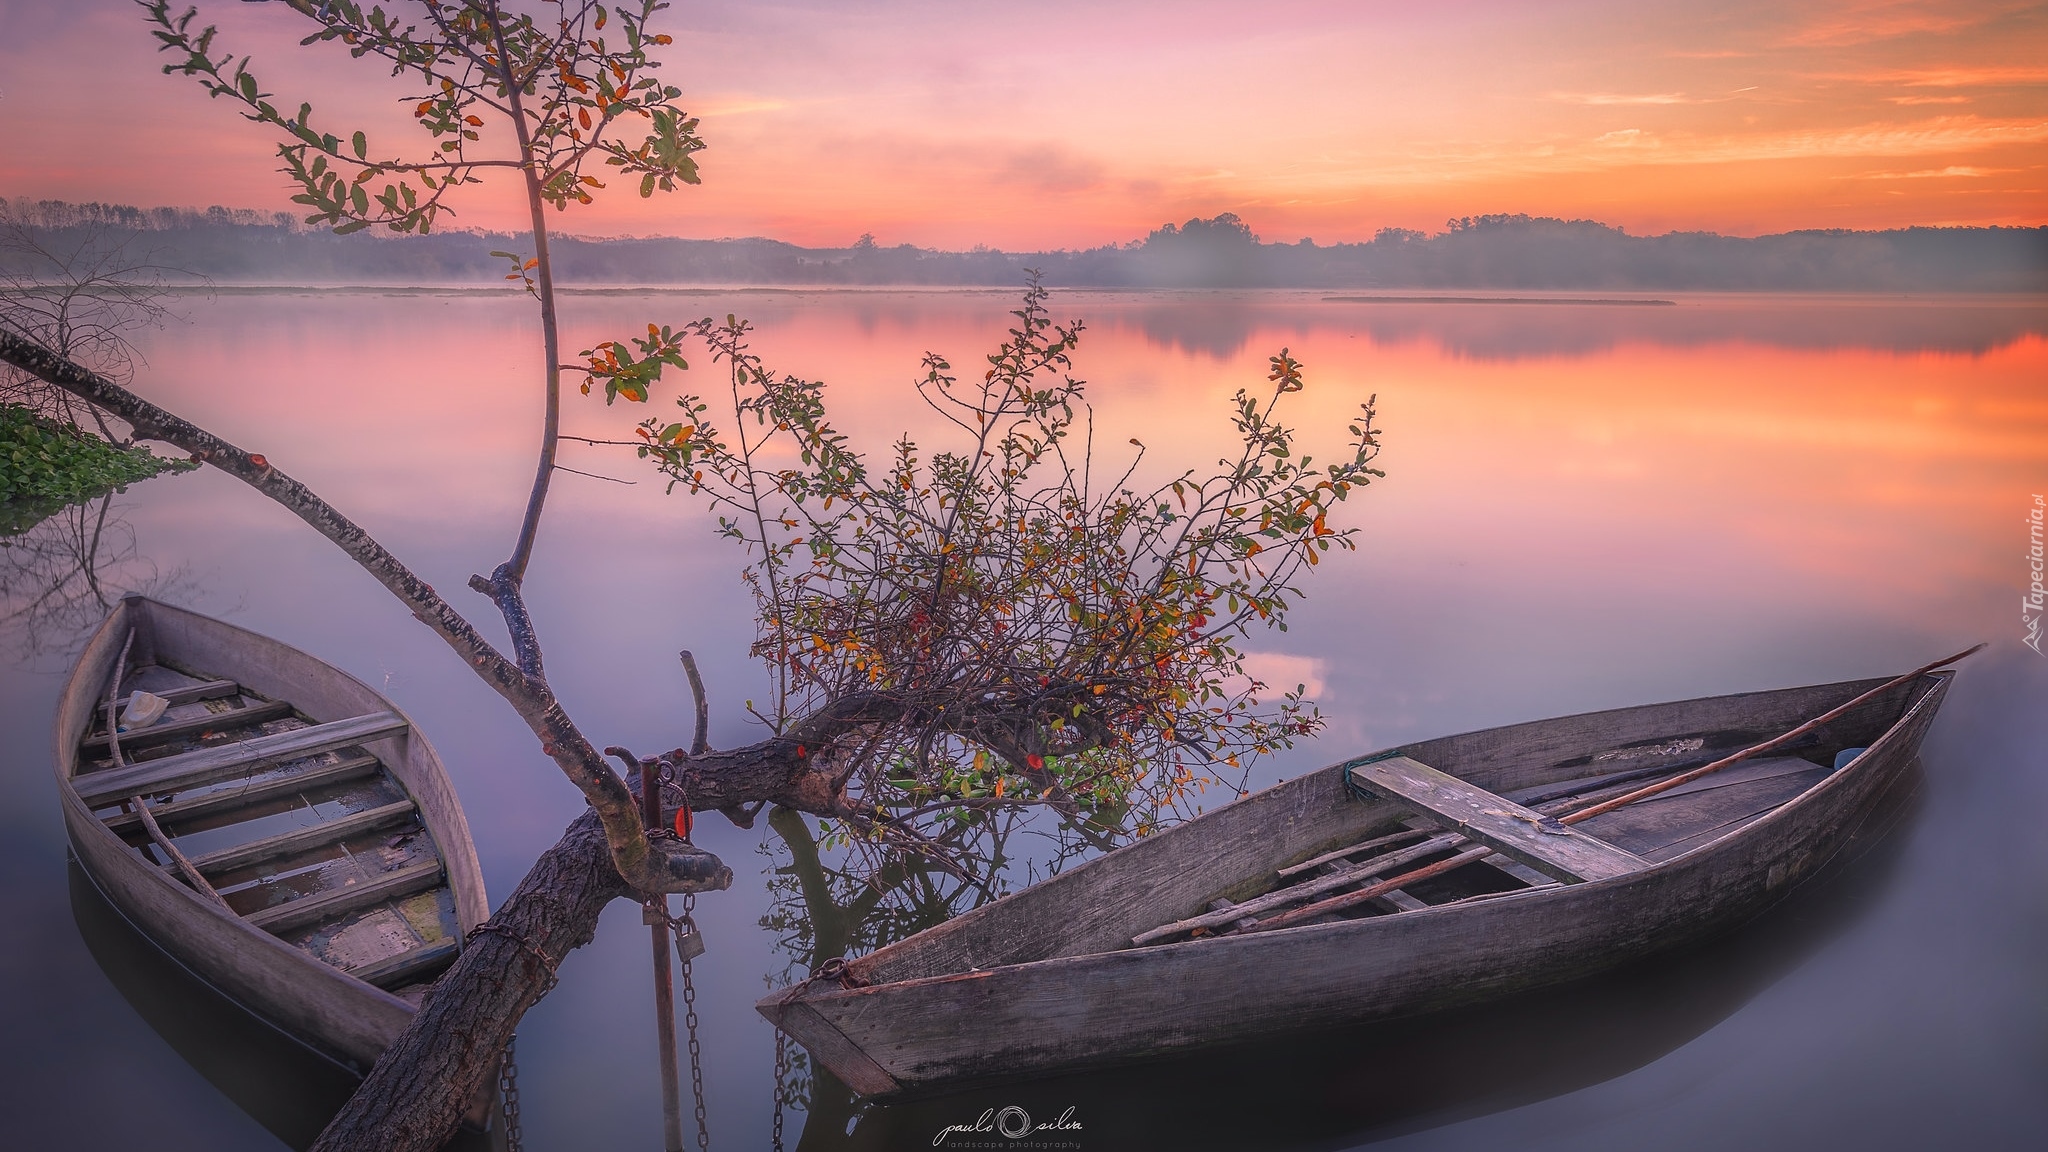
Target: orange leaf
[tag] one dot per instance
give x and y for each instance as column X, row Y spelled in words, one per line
column 1036, row 762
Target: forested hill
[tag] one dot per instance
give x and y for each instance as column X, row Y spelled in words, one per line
column 1484, row 252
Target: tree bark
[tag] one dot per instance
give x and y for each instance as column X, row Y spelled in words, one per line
column 421, row 1086
column 419, row 1089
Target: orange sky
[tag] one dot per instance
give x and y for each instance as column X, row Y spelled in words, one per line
column 1072, row 124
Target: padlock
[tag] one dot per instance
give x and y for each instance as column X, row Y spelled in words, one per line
column 689, row 941
column 653, row 914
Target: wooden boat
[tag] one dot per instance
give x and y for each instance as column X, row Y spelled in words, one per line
column 283, row 831
column 1274, row 915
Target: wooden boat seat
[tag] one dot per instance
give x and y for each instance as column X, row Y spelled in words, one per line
column 1536, row 840
column 206, row 765
column 185, row 694
column 408, row 966
column 292, row 843
column 306, row 910
column 285, row 784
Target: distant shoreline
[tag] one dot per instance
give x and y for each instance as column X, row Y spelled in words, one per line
column 506, row 291
column 1493, row 259
column 1499, row 300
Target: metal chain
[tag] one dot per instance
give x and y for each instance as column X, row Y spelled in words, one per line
column 508, row 1095
column 690, row 1026
column 781, row 1080
column 547, row 966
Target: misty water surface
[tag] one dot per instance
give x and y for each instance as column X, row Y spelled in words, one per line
column 1585, row 508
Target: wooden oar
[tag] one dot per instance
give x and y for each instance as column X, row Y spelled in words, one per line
column 1757, row 749
column 114, row 702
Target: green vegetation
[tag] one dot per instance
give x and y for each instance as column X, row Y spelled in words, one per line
column 45, row 464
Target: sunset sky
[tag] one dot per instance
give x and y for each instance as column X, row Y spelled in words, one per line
column 1061, row 124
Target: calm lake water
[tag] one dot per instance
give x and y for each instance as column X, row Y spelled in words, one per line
column 1585, row 508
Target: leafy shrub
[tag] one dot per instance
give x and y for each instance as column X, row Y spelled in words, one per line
column 42, row 460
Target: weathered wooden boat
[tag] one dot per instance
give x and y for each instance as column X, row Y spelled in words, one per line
column 283, row 830
column 1434, row 875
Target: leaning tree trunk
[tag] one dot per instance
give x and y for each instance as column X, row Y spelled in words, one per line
column 422, row 1085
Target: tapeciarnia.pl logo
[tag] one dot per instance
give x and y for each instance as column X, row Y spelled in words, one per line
column 2035, row 602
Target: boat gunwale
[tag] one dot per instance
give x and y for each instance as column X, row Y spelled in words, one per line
column 1920, row 693
column 378, row 1013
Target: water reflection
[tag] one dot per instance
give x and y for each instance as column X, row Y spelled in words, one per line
column 1221, row 325
column 61, row 575
column 1558, row 533
column 283, row 1085
column 832, row 900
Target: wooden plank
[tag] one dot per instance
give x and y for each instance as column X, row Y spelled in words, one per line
column 1760, row 768
column 408, row 966
column 178, row 860
column 1315, row 862
column 1313, row 913
column 309, row 909
column 205, row 690
column 262, row 791
column 1394, row 901
column 1518, row 870
column 189, row 726
column 1530, row 837
column 1343, row 878
column 205, row 765
column 1219, row 904
column 301, row 839
column 1661, row 821
column 1402, row 901
column 1497, row 862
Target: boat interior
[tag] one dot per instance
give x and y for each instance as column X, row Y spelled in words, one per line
column 1447, row 841
column 290, row 824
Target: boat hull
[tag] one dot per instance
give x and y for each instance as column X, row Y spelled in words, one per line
column 1095, row 1000
column 334, row 1012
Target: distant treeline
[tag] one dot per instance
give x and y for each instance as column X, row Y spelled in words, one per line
column 1504, row 251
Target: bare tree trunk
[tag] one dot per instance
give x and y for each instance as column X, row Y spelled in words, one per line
column 420, row 1087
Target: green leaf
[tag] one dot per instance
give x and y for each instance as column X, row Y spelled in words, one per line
column 362, row 144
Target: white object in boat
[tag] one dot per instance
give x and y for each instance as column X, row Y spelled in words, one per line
column 144, row 709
